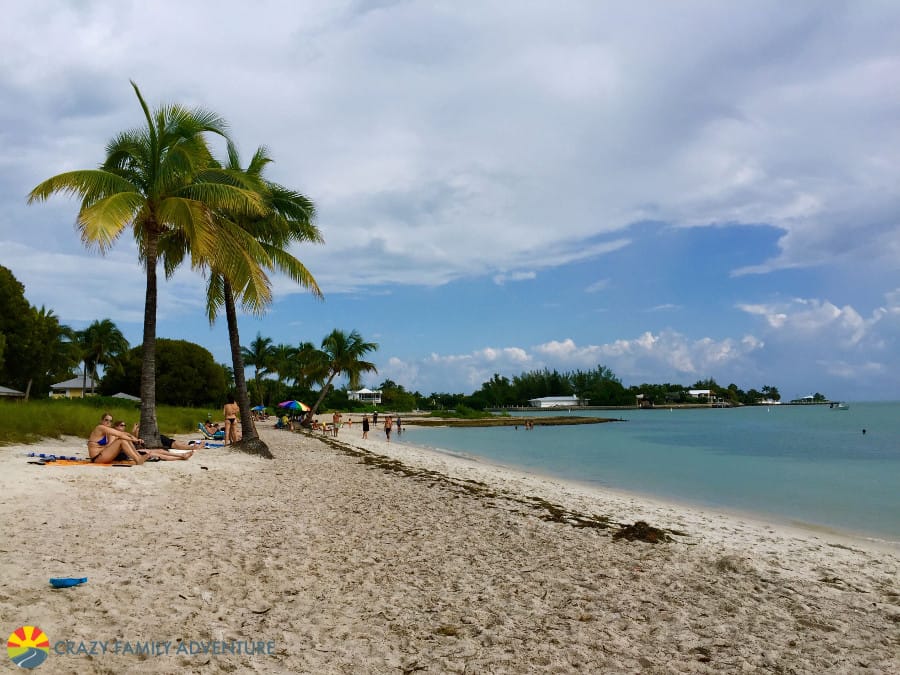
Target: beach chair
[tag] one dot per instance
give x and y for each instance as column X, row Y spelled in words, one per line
column 218, row 436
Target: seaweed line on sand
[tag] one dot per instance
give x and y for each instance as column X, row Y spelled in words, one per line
column 491, row 497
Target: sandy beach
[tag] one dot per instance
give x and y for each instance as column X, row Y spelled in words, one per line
column 368, row 557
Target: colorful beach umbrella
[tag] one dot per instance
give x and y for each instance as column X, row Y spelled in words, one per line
column 294, row 405
column 257, row 408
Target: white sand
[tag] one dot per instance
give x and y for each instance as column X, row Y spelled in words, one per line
column 349, row 567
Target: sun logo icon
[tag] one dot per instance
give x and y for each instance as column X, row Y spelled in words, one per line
column 28, row 646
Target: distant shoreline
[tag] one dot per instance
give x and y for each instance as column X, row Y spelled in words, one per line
column 561, row 420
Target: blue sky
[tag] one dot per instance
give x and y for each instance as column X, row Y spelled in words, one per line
column 674, row 191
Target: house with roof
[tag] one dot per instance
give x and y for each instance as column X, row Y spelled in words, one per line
column 6, row 392
column 557, row 402
column 127, row 397
column 365, row 396
column 73, row 388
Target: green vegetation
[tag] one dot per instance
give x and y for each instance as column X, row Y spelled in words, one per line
column 35, row 349
column 186, row 375
column 28, row 422
column 462, row 413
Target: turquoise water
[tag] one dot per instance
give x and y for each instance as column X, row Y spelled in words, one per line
column 800, row 463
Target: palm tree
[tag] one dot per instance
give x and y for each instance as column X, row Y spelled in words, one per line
column 101, row 341
column 49, row 347
column 149, row 182
column 283, row 361
column 344, row 353
column 286, row 219
column 259, row 357
column 310, row 366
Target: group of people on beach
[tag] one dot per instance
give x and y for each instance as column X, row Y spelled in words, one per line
column 389, row 423
column 109, row 442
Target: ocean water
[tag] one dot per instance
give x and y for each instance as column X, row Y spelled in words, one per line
column 804, row 464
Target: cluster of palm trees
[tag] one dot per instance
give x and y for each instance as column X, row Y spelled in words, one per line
column 98, row 345
column 161, row 182
column 306, row 366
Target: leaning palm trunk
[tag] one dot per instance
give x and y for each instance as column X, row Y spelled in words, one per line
column 149, row 431
column 322, row 395
column 250, row 441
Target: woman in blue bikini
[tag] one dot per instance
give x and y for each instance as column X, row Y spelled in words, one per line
column 105, row 443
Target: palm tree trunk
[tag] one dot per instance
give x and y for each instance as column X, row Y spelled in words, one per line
column 250, row 441
column 149, row 431
column 315, row 408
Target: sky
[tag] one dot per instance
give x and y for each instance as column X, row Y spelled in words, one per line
column 674, row 191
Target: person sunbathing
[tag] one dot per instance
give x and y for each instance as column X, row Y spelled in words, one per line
column 106, row 443
column 171, row 449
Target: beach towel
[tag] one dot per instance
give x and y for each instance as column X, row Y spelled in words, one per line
column 81, row 462
column 53, row 460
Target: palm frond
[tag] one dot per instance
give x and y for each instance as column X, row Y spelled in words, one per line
column 90, row 184
column 229, row 198
column 152, row 136
column 194, row 221
column 215, row 295
column 102, row 222
column 284, row 262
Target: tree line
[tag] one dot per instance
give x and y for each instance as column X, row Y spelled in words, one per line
column 598, row 387
column 36, row 351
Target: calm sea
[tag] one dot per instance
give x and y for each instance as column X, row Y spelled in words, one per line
column 804, row 464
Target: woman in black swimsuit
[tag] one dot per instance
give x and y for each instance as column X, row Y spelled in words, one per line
column 230, row 411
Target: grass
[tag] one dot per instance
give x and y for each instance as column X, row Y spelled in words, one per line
column 30, row 421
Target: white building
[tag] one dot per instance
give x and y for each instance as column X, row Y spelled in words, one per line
column 556, row 402
column 365, row 395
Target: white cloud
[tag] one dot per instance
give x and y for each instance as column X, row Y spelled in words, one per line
column 670, row 353
column 501, row 279
column 599, row 285
column 423, row 135
column 808, row 320
column 445, row 142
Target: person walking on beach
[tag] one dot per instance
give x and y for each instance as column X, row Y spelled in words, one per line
column 388, row 423
column 375, row 418
column 335, row 423
column 366, row 425
column 230, row 411
column 399, row 427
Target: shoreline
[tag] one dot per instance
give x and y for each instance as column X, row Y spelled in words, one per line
column 395, row 559
column 580, row 494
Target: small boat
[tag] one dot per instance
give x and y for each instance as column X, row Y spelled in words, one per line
column 837, row 405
